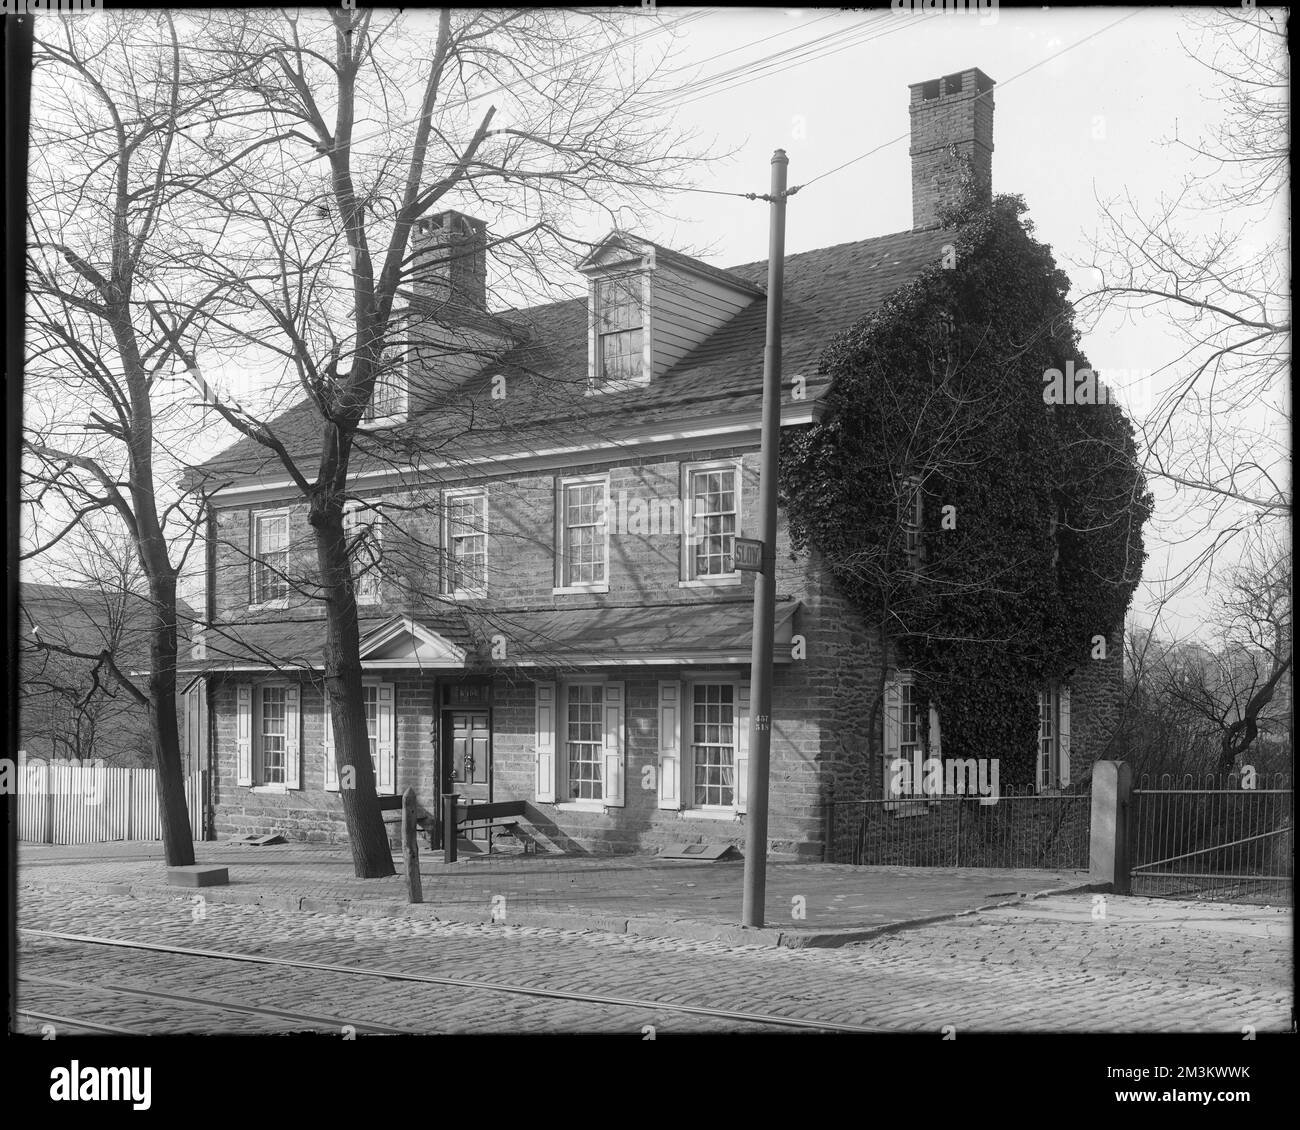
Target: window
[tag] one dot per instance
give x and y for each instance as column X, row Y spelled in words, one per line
column 619, row 326
column 911, row 736
column 580, row 744
column 363, row 529
column 584, row 739
column 909, row 722
column 713, row 744
column 272, row 735
column 270, row 557
column 910, row 518
column 466, row 542
column 388, row 401
column 378, row 703
column 584, row 543
column 714, row 521
column 267, row 718
column 1053, row 737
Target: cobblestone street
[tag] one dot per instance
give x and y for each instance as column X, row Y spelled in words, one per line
column 1051, row 965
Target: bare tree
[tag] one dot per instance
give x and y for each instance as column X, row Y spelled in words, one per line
column 113, row 298
column 1219, row 433
column 1193, row 707
column 382, row 126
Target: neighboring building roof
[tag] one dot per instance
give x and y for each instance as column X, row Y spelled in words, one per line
column 826, row 291
column 719, row 632
column 86, row 618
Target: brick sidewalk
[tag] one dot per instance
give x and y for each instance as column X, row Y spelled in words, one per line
column 807, row 904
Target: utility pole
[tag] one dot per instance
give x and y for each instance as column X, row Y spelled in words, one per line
column 760, row 659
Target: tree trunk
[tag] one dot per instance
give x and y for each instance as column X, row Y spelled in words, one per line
column 372, row 858
column 178, row 839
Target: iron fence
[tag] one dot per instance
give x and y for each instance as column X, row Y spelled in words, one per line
column 1222, row 837
column 1022, row 829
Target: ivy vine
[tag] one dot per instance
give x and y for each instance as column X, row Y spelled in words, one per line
column 1031, row 514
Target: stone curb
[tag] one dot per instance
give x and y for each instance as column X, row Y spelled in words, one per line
column 646, row 927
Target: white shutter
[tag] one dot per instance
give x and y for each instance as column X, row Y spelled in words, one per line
column 670, row 744
column 1063, row 735
column 386, row 741
column 244, row 733
column 742, row 747
column 893, row 732
column 292, row 738
column 544, row 737
column 935, row 751
column 615, row 744
column 327, row 745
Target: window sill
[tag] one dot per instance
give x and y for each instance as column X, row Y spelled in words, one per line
column 383, row 422
column 724, row 580
column 625, row 384
column 711, row 814
column 467, row 594
column 597, row 806
column 268, row 788
column 270, row 606
column 578, row 590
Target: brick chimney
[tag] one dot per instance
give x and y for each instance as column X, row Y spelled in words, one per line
column 450, row 260
column 952, row 138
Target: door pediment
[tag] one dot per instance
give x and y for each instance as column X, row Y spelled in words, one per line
column 404, row 642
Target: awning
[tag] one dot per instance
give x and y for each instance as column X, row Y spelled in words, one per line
column 713, row 633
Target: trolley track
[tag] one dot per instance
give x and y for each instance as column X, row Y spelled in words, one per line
column 768, row 1020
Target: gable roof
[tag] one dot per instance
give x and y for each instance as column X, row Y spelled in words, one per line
column 826, row 292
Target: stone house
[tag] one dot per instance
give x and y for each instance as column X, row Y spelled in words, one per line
column 547, row 510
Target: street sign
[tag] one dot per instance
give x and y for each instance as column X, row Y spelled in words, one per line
column 748, row 555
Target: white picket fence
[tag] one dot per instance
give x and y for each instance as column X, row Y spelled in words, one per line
column 63, row 802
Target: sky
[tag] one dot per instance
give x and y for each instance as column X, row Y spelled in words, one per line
column 1088, row 102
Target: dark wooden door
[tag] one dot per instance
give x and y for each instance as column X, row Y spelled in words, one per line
column 469, row 757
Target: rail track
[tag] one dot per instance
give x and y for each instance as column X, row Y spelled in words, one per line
column 769, row 1020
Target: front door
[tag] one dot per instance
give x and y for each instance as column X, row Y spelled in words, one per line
column 469, row 757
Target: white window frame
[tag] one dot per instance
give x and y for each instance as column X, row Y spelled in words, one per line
column 688, row 577
column 377, row 682
column 260, row 783
column 448, row 497
column 568, row 803
column 597, row 383
column 911, row 519
column 1047, row 763
column 927, row 740
column 351, row 514
column 393, row 364
column 688, row 806
column 255, row 556
column 562, row 586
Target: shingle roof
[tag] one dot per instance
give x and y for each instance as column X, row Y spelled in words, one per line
column 719, row 632
column 826, row 292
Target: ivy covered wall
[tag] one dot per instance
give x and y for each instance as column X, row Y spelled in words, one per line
column 966, row 402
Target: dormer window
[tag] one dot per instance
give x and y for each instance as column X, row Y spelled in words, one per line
column 620, row 323
column 389, row 400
